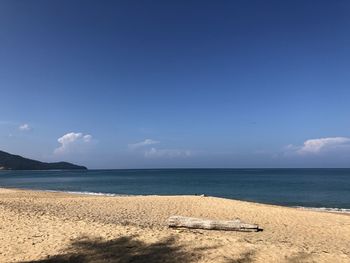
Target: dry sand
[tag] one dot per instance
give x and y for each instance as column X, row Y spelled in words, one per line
column 58, row 227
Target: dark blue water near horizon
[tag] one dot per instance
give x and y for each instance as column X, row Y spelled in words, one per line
column 290, row 187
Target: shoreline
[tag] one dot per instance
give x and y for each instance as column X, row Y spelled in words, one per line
column 334, row 210
column 59, row 226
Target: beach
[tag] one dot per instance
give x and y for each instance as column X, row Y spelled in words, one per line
column 39, row 226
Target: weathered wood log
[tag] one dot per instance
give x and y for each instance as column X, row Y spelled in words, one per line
column 228, row 225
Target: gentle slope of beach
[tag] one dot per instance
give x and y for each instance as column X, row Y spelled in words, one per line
column 43, row 227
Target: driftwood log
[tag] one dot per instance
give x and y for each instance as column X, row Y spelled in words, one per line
column 228, row 225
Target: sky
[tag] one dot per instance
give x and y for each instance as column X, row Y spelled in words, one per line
column 176, row 84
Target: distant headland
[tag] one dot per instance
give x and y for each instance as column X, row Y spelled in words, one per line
column 15, row 162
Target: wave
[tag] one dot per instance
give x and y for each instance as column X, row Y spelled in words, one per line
column 84, row 193
column 320, row 209
column 326, row 209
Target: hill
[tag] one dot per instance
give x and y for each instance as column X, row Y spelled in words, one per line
column 15, row 162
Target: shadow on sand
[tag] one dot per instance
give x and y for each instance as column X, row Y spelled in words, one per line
column 124, row 249
column 127, row 249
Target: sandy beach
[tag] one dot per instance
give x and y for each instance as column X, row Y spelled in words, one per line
column 59, row 227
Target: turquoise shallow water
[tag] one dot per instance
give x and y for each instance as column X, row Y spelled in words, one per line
column 328, row 188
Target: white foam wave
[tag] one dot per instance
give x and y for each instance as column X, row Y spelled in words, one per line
column 84, row 193
column 93, row 193
column 326, row 209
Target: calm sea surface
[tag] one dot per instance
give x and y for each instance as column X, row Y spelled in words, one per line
column 328, row 188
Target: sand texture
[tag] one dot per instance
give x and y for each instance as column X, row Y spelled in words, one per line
column 58, row 227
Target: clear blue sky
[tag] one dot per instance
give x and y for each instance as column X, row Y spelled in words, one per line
column 176, row 83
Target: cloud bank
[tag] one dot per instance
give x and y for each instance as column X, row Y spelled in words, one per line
column 146, row 142
column 145, row 148
column 24, row 127
column 321, row 145
column 72, row 142
column 170, row 153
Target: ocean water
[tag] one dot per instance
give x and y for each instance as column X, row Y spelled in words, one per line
column 316, row 188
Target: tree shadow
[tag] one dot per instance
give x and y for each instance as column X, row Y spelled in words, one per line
column 122, row 250
column 299, row 258
column 246, row 257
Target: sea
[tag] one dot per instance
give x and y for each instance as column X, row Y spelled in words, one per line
column 319, row 189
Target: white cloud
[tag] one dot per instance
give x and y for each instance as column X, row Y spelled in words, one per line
column 24, row 127
column 87, row 138
column 72, row 141
column 145, row 148
column 146, row 142
column 323, row 144
column 320, row 145
column 169, row 153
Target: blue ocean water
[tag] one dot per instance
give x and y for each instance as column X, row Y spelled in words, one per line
column 328, row 188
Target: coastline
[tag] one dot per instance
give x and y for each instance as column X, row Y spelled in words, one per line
column 336, row 210
column 41, row 225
